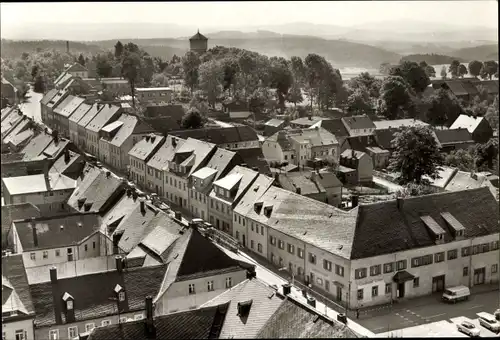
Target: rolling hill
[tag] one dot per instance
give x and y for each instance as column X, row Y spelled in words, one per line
column 482, row 53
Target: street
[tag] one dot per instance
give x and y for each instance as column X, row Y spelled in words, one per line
column 31, row 107
column 427, row 310
column 392, row 187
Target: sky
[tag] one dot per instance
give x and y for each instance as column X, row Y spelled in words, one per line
column 235, row 14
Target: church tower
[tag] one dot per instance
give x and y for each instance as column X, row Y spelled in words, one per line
column 198, row 43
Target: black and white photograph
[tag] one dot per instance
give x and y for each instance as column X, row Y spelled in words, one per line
column 249, row 169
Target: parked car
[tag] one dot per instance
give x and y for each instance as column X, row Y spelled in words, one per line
column 488, row 321
column 455, row 294
column 468, row 328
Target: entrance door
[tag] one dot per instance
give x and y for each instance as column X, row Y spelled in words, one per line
column 479, row 275
column 401, row 290
column 339, row 293
column 438, row 284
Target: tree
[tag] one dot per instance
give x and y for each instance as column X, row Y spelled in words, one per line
column 314, row 65
column 475, row 68
column 131, row 65
column 192, row 119
column 34, row 71
column 395, row 100
column 359, row 102
column 487, row 153
column 295, row 95
column 461, row 159
column 462, row 70
column 416, row 155
column 103, row 66
column 489, row 69
column 39, row 86
column 81, row 59
column 147, row 69
column 231, row 68
column 384, row 68
column 190, row 64
column 199, row 102
column 281, row 79
column 211, row 79
column 159, row 80
column 443, row 72
column 414, row 75
column 412, row 189
column 298, row 70
column 444, row 109
column 429, row 70
column 453, row 69
column 118, row 50
column 367, row 81
column 492, row 114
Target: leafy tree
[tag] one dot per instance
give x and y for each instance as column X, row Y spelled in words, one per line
column 295, row 95
column 298, row 70
column 359, row 102
column 231, row 68
column 103, row 66
column 118, row 50
column 159, row 80
column 370, row 83
column 413, row 189
column 20, row 71
column 281, row 79
column 414, row 75
column 487, row 153
column 395, row 100
column 416, row 155
column 492, row 114
column 147, row 69
column 462, row 70
column 489, row 69
column 314, row 65
column 131, row 65
column 475, row 68
column 429, row 70
column 453, row 69
column 81, row 60
column 211, row 80
column 443, row 72
column 199, row 102
column 258, row 100
column 25, row 56
column 384, row 68
column 444, row 108
column 190, row 64
column 131, row 48
column 34, row 71
column 461, row 159
column 22, row 91
column 192, row 119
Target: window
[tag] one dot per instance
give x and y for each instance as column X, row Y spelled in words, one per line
column 262, row 230
column 494, row 268
column 89, row 326
column 281, row 244
column 401, row 265
column 312, row 258
column 86, row 247
column 235, row 218
column 229, row 282
column 300, row 253
column 243, row 217
column 360, row 273
column 210, row 286
column 388, row 267
column 327, row 265
column 416, row 282
column 54, row 334
column 192, row 289
column 494, row 245
column 273, row 240
column 360, row 294
column 121, row 296
column 374, row 291
column 33, row 256
column 452, row 254
column 339, row 270
column 69, row 304
column 45, row 254
column 20, row 334
column 138, row 317
column 375, row 270
column 259, row 247
column 465, row 271
column 291, row 248
column 465, row 251
column 388, row 288
column 72, row 332
column 439, row 257
column 123, row 319
column 251, row 244
column 93, row 245
column 105, row 323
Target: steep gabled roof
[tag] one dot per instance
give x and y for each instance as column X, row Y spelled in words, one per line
column 358, row 122
column 466, row 122
column 198, row 36
column 90, row 115
column 220, row 135
column 254, row 159
column 48, row 96
column 76, row 67
column 58, row 108
column 221, row 161
column 102, row 118
column 79, row 112
column 145, row 148
column 13, row 271
column 69, row 166
column 453, row 136
column 36, row 146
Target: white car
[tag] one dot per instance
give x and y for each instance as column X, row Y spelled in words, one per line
column 468, row 328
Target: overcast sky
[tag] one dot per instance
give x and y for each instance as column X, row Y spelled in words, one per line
column 234, row 14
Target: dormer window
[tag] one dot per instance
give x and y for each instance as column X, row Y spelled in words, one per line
column 69, row 305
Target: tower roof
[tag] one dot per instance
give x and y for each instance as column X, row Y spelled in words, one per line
column 198, row 36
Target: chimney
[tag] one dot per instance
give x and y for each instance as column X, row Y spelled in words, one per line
column 119, row 264
column 174, row 142
column 287, row 289
column 298, row 191
column 129, row 192
column 116, row 241
column 399, row 202
column 46, row 174
column 143, row 206
column 354, row 201
column 310, row 117
column 67, row 47
column 150, row 329
column 66, row 156
column 353, row 154
column 35, row 236
column 56, row 298
column 108, row 174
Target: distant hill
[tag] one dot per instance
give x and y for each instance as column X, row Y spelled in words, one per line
column 482, row 53
column 431, row 59
column 14, row 49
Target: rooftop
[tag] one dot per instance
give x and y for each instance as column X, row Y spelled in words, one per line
column 220, row 135
column 90, row 114
column 36, row 184
column 453, row 136
column 146, row 146
column 13, row 212
column 466, row 122
column 352, row 154
column 150, row 89
column 274, row 122
column 131, row 125
column 72, row 106
column 334, row 126
column 198, row 36
column 200, row 150
column 103, row 117
column 58, row 109
column 307, row 121
column 398, row 123
column 16, row 295
column 222, row 161
column 164, row 155
column 239, row 178
column 358, row 122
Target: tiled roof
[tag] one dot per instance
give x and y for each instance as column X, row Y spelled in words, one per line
column 199, row 149
column 71, row 106
column 274, row 122
column 307, row 121
column 445, row 175
column 191, row 324
column 334, row 126
column 257, row 189
column 453, row 136
column 265, row 303
column 69, row 167
column 6, row 111
column 382, row 228
column 264, row 192
column 352, row 154
column 314, row 136
column 13, row 270
column 60, row 107
column 96, row 189
column 490, row 85
column 466, row 122
column 22, row 125
column 240, row 178
column 118, row 212
column 55, row 148
column 103, row 117
column 360, row 143
column 464, row 180
column 294, row 320
column 56, row 232
column 198, row 36
column 254, row 159
column 36, row 183
column 293, row 181
column 314, row 222
column 398, row 123
column 162, row 236
column 145, row 147
column 48, row 96
column 90, row 114
column 175, row 112
column 385, row 137
column 130, row 126
column 97, row 302
column 36, row 146
column 57, row 99
column 163, row 124
column 164, row 155
column 13, row 212
column 221, row 135
column 11, row 121
column 358, row 122
column 22, row 137
column 222, row 161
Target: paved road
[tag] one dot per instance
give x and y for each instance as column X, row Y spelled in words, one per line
column 392, row 187
column 427, row 310
column 31, row 107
